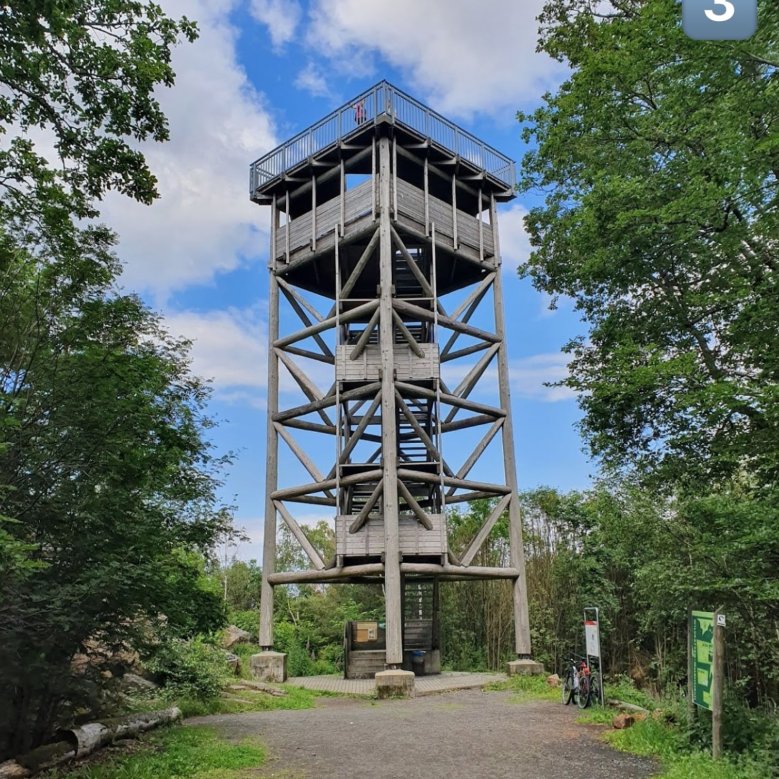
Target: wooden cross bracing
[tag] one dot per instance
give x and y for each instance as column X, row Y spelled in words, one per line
column 389, row 415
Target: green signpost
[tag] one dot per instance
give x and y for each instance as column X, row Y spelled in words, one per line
column 702, row 630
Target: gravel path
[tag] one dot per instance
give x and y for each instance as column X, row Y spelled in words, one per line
column 461, row 735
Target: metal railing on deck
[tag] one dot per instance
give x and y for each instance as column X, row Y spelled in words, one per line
column 400, row 107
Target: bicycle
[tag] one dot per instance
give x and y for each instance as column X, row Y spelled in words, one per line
column 572, row 678
column 589, row 687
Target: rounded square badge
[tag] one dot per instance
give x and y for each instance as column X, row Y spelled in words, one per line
column 719, row 20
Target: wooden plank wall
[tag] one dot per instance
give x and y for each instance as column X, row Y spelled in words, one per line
column 369, row 540
column 408, row 366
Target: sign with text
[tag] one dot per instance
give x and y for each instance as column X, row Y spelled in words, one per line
column 702, row 657
column 591, row 638
column 719, row 20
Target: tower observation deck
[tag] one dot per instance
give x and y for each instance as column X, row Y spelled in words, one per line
column 386, row 319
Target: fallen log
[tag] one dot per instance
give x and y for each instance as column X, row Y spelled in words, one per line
column 246, row 684
column 626, row 706
column 78, row 742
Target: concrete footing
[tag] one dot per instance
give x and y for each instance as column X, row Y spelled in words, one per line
column 269, row 666
column 395, row 684
column 524, row 667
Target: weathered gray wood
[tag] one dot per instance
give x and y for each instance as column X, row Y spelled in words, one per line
column 301, row 537
column 450, row 481
column 310, row 390
column 411, row 501
column 362, row 517
column 452, row 324
column 311, row 427
column 392, row 582
column 327, row 575
column 271, row 471
column 362, row 341
column 406, row 333
column 309, row 355
column 413, row 267
column 465, row 387
column 300, row 454
column 320, row 486
column 291, row 291
column 326, row 402
column 478, row 451
column 521, row 615
column 423, row 436
column 463, row 424
column 474, row 572
column 360, row 266
column 355, row 437
column 717, row 686
column 475, row 348
column 414, row 540
column 325, row 324
column 452, row 400
column 485, row 530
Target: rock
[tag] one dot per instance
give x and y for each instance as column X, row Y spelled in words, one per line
column 234, row 662
column 234, row 635
column 553, row 680
column 135, row 682
column 622, row 721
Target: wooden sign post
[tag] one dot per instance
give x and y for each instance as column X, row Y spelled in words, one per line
column 707, row 665
column 717, row 684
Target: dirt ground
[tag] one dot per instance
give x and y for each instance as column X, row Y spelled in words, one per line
column 459, row 735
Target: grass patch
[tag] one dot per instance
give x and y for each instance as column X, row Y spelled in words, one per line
column 597, row 715
column 176, row 753
column 526, row 688
column 242, row 701
column 653, row 738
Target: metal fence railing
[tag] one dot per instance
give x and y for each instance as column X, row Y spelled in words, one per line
column 367, row 107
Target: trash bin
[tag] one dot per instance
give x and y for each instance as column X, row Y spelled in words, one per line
column 418, row 662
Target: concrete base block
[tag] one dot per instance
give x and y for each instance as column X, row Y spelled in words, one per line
column 395, row 684
column 269, row 666
column 525, row 667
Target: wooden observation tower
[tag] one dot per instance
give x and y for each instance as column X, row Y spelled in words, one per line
column 386, row 316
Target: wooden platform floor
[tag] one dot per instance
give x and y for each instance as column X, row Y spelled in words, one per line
column 424, row 685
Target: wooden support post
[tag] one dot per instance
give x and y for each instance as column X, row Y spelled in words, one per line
column 271, row 470
column 313, row 212
column 717, row 685
column 406, row 333
column 362, row 341
column 690, row 672
column 392, row 583
column 521, row 616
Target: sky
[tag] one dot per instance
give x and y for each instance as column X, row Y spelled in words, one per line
column 263, row 70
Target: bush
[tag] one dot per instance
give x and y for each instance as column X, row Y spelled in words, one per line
column 189, row 669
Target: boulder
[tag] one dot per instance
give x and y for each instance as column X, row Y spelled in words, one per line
column 622, row 721
column 234, row 635
column 553, row 680
column 137, row 683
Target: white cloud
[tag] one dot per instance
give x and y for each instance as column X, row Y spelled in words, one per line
column 228, row 347
column 514, row 241
column 312, row 80
column 465, row 56
column 528, row 376
column 281, row 17
column 204, row 223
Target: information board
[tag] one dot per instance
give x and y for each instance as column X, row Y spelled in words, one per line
column 591, row 638
column 702, row 657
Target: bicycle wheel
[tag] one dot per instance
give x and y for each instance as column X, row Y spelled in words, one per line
column 567, row 687
column 584, row 692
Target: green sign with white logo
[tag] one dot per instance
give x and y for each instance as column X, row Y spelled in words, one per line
column 702, row 657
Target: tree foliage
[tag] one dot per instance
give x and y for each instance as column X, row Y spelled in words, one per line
column 659, row 159
column 77, row 95
column 107, row 485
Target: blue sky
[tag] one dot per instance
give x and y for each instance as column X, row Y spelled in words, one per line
column 262, row 71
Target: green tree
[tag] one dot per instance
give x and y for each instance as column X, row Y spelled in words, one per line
column 659, row 157
column 79, row 77
column 107, row 484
